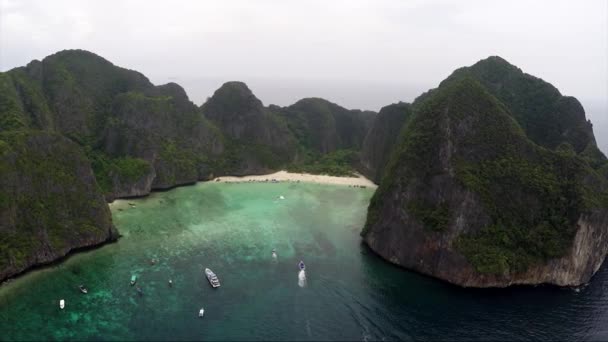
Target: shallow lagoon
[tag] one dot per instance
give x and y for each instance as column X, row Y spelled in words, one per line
column 232, row 228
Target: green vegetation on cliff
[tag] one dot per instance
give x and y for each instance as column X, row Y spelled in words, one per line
column 547, row 117
column 336, row 163
column 534, row 207
column 49, row 200
column 532, row 196
column 11, row 108
column 434, row 217
column 125, row 169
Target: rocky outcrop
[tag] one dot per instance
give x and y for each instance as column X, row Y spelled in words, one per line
column 468, row 198
column 50, row 203
column 381, row 138
column 126, row 187
column 256, row 139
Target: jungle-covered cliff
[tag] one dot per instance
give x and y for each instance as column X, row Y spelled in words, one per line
column 50, row 203
column 381, row 137
column 476, row 194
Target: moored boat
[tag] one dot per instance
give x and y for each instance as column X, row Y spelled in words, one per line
column 201, row 312
column 62, row 304
column 83, row 289
column 133, row 279
column 213, row 280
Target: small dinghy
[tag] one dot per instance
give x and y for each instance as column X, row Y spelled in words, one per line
column 201, row 313
column 170, row 283
column 274, row 253
column 83, row 289
column 301, row 265
column 133, row 280
column 62, row 304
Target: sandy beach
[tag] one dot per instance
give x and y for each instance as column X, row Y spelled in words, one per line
column 284, row 176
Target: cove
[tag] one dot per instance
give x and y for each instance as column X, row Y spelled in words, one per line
column 349, row 294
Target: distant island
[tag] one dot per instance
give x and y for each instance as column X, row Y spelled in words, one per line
column 492, row 179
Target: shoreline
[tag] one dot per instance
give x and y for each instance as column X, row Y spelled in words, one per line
column 284, row 176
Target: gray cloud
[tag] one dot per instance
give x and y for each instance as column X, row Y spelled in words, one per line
column 335, row 49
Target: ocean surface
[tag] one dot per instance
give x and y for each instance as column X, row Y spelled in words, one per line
column 348, row 294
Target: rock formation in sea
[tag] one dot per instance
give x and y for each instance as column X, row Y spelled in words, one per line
column 477, row 194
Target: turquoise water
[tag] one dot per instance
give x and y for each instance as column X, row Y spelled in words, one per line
column 349, row 293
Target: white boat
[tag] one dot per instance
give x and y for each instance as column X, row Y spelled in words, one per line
column 83, row 289
column 201, row 313
column 274, row 254
column 62, row 304
column 213, row 280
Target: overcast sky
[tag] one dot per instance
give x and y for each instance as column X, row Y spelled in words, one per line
column 360, row 54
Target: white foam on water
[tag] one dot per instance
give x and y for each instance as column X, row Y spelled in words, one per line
column 302, row 278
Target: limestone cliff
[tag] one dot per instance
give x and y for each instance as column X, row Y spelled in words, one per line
column 257, row 140
column 138, row 136
column 50, row 203
column 380, row 139
column 470, row 199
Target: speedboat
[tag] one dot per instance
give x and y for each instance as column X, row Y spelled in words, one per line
column 213, row 280
column 83, row 289
column 133, row 279
column 62, row 304
column 301, row 265
column 201, row 312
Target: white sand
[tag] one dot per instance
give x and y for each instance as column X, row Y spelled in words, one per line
column 284, row 176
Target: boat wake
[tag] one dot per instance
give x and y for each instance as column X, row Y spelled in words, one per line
column 302, row 278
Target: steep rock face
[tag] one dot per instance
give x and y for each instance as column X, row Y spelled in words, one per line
column 257, row 139
column 381, row 138
column 138, row 136
column 167, row 131
column 50, row 203
column 469, row 199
